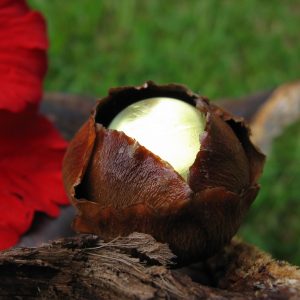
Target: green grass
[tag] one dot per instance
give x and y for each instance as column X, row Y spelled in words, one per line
column 218, row 48
column 273, row 223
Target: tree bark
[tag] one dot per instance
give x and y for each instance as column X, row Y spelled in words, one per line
column 138, row 267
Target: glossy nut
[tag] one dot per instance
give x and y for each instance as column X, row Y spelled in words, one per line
column 168, row 127
column 118, row 186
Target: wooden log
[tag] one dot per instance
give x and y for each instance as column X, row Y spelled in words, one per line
column 138, row 267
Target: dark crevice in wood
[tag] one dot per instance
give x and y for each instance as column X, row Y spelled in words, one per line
column 137, row 267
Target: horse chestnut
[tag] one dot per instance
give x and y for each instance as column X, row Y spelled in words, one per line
column 119, row 186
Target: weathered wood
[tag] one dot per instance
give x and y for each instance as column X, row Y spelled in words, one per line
column 280, row 110
column 67, row 111
column 137, row 267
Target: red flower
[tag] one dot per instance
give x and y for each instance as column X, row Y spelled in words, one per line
column 23, row 63
column 31, row 150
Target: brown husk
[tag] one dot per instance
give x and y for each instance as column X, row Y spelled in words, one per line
column 118, row 186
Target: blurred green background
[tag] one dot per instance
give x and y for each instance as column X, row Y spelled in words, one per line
column 218, row 48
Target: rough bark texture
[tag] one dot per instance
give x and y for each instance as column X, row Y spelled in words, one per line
column 137, row 267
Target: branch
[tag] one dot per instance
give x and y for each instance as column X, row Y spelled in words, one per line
column 138, row 267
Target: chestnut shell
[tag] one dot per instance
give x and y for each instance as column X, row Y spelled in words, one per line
column 118, row 186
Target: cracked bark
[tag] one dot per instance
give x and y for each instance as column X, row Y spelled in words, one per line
column 138, row 267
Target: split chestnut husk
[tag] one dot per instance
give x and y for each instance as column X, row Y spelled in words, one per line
column 118, row 186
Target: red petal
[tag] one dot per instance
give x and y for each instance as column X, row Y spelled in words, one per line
column 23, row 61
column 30, row 180
column 12, row 7
column 12, row 225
